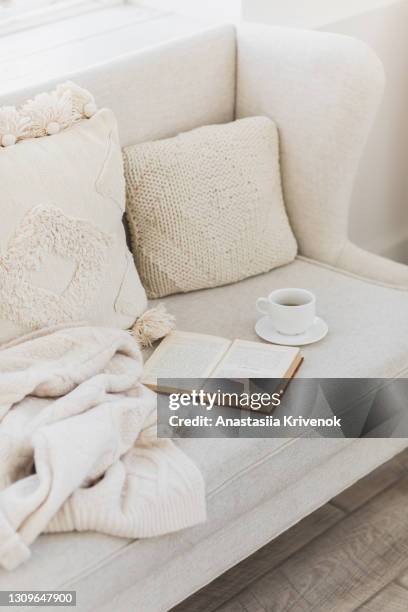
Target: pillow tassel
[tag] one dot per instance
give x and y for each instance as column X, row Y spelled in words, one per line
column 153, row 325
column 13, row 126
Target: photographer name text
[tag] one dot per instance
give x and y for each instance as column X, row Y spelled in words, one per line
column 252, row 421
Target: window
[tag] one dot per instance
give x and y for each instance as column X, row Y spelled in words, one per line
column 20, row 14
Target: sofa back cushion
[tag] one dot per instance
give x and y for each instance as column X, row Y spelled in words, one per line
column 205, row 208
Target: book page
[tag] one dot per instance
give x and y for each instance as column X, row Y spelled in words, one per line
column 255, row 360
column 185, row 355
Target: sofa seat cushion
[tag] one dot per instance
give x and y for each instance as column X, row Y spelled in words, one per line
column 239, row 474
column 368, row 322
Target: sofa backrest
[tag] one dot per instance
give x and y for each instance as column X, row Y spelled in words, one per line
column 163, row 90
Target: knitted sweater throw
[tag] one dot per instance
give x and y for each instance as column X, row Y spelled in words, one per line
column 79, row 447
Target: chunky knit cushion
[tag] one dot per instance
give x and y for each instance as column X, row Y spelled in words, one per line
column 63, row 252
column 205, row 208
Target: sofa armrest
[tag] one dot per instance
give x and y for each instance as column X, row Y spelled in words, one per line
column 357, row 261
column 323, row 91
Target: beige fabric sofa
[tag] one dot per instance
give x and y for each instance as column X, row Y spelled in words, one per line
column 323, row 91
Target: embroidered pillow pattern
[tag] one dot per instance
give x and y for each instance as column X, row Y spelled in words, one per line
column 44, row 231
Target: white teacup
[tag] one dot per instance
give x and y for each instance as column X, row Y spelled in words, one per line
column 291, row 311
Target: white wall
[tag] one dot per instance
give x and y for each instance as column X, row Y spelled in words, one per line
column 304, row 13
column 379, row 215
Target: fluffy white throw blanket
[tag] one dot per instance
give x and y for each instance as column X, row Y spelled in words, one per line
column 78, row 444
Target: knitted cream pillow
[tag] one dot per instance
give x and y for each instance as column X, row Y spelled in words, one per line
column 205, row 208
column 63, row 252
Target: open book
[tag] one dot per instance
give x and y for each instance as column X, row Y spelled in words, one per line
column 188, row 355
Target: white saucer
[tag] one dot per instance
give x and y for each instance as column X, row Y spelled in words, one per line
column 266, row 331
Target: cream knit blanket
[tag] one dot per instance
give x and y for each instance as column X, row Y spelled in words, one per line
column 78, row 445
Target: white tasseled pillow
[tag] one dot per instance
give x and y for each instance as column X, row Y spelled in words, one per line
column 206, row 208
column 63, row 252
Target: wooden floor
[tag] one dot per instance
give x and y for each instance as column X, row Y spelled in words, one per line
column 351, row 554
